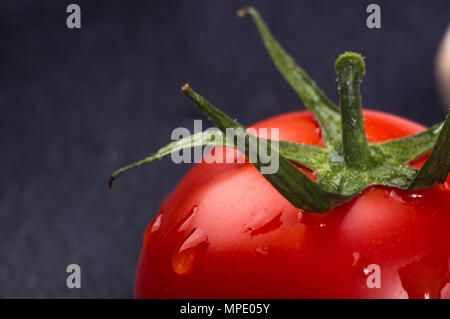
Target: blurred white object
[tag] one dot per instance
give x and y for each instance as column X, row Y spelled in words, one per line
column 443, row 69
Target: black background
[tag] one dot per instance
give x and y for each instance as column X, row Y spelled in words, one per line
column 77, row 104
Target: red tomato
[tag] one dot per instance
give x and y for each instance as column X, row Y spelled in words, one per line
column 225, row 232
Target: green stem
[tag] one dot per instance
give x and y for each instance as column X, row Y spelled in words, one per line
column 350, row 67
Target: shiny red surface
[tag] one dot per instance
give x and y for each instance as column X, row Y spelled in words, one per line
column 225, row 232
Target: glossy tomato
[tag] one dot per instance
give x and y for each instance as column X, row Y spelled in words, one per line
column 225, row 232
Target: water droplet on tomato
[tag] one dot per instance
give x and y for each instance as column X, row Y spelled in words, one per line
column 318, row 132
column 313, row 219
column 182, row 226
column 366, row 271
column 186, row 222
column 356, row 258
column 190, row 252
column 152, row 228
column 262, row 250
column 335, row 157
column 393, row 194
column 263, row 223
column 300, row 216
column 360, row 264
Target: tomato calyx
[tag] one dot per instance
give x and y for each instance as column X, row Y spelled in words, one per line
column 349, row 163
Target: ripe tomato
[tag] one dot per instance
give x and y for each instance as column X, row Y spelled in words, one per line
column 225, row 232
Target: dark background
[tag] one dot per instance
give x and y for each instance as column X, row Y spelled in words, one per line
column 77, row 104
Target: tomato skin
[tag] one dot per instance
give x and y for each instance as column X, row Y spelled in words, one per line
column 225, row 232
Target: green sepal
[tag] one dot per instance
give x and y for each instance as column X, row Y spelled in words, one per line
column 324, row 110
column 290, row 182
column 199, row 139
column 310, row 156
column 437, row 166
column 407, row 149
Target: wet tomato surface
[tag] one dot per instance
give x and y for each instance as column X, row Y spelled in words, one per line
column 225, row 232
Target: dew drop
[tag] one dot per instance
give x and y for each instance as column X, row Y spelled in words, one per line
column 393, row 194
column 360, row 264
column 156, row 224
column 263, row 223
column 366, row 271
column 313, row 219
column 335, row 157
column 190, row 252
column 300, row 216
column 356, row 258
column 262, row 250
column 152, row 228
column 437, row 130
column 181, row 226
column 318, row 132
column 186, row 222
